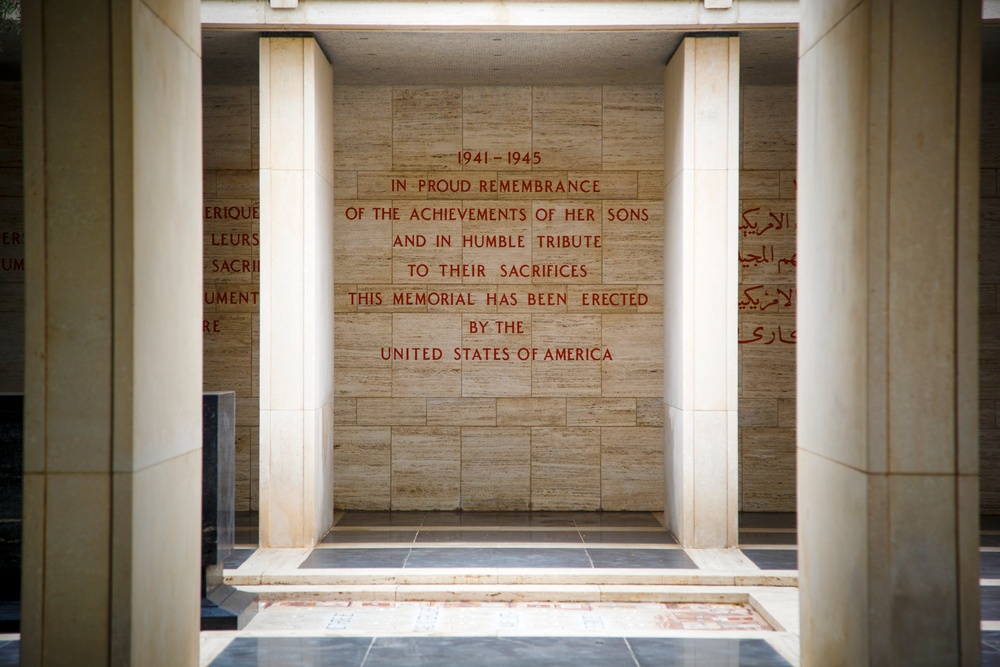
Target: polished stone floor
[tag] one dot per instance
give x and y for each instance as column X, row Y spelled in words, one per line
column 365, row 633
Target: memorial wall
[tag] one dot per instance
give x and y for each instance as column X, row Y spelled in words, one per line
column 767, row 298
column 498, row 336
column 989, row 307
column 365, row 157
column 231, row 280
column 11, row 240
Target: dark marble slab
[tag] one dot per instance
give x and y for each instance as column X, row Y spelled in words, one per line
column 355, row 558
column 989, row 603
column 278, row 651
column 237, row 558
column 989, row 564
column 676, row 652
column 218, row 476
column 641, row 558
column 498, row 652
column 773, row 559
column 991, row 648
column 616, row 520
column 10, row 653
column 11, row 493
column 359, row 518
column 768, row 538
column 354, row 536
column 497, row 557
column 539, row 536
column 627, row 537
column 10, row 616
column 768, row 520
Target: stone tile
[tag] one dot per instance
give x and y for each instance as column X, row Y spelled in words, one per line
column 767, row 371
column 426, row 127
column 513, row 246
column 601, row 412
column 987, row 182
column 362, row 244
column 413, row 243
column 650, row 185
column 429, row 335
column 391, row 411
column 566, row 124
column 345, row 185
column 362, row 116
column 760, row 184
column 461, row 411
column 769, row 122
column 359, row 369
column 987, row 299
column 207, row 184
column 613, row 184
column 531, row 412
column 767, row 464
column 426, row 468
column 496, row 468
column 758, row 413
column 361, row 467
column 641, row 558
column 565, row 468
column 987, row 414
column 571, row 218
column 226, row 127
column 383, row 185
column 636, row 341
column 491, row 365
column 496, row 120
column 237, row 184
column 649, row 411
column 556, row 377
column 633, row 127
column 632, row 468
column 786, row 412
column 789, row 184
column 633, row 242
column 227, row 353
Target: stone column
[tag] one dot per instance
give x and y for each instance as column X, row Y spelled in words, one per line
column 701, row 199
column 887, row 332
column 296, row 288
column 112, row 465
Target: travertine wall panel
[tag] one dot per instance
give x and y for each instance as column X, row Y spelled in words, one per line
column 989, row 312
column 11, row 240
column 231, row 276
column 499, row 298
column 767, row 299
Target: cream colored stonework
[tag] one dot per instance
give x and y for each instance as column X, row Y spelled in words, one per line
column 448, row 368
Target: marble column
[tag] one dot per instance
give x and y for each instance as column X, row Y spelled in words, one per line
column 296, row 288
column 887, row 332
column 701, row 198
column 113, row 257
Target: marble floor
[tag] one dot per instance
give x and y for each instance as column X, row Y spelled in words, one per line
column 511, row 589
column 505, row 588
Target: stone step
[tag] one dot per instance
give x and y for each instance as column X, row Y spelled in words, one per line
column 497, row 577
column 502, row 593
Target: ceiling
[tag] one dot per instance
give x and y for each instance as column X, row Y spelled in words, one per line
column 500, row 58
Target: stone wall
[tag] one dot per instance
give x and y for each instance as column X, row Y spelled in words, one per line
column 989, row 293
column 767, row 299
column 232, row 270
column 11, row 240
column 498, row 269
